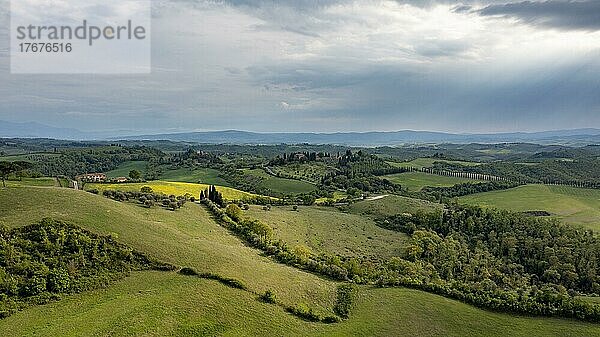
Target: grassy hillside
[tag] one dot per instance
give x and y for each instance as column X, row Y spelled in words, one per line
column 337, row 196
column 169, row 188
column 415, row 181
column 198, row 175
column 577, row 206
column 124, row 168
column 167, row 304
column 391, row 205
column 186, row 237
column 282, row 185
column 45, row 181
column 325, row 229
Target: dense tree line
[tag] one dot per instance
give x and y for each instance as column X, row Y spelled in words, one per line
column 362, row 182
column 299, row 157
column 73, row 162
column 147, row 198
column 578, row 172
column 499, row 260
column 443, row 194
column 359, row 170
column 360, row 162
column 7, row 168
column 193, row 158
column 493, row 259
column 41, row 262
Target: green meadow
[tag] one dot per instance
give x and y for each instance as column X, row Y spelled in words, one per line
column 577, row 206
column 194, row 175
column 167, row 304
column 124, row 168
column 415, row 181
column 391, row 205
column 327, row 230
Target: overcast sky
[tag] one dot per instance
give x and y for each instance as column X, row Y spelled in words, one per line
column 308, row 65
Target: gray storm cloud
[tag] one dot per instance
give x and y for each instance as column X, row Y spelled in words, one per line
column 570, row 15
column 337, row 65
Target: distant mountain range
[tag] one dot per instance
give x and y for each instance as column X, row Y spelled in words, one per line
column 568, row 137
column 576, row 137
column 37, row 130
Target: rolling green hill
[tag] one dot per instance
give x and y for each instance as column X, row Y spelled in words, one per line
column 310, row 171
column 578, row 206
column 186, row 237
column 197, row 175
column 169, row 304
column 391, row 205
column 325, row 229
column 124, row 168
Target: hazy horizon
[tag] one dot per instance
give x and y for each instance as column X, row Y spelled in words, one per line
column 123, row 132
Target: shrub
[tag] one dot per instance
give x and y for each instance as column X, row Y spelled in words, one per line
column 230, row 282
column 188, row 271
column 234, row 212
column 268, row 297
column 304, row 311
column 59, row 281
column 330, row 319
column 345, row 298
